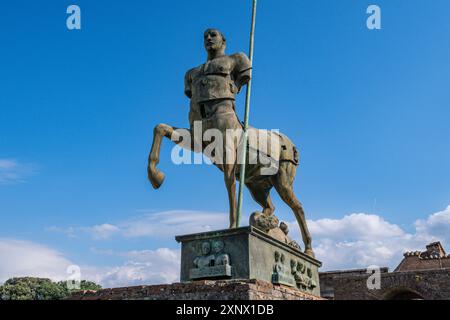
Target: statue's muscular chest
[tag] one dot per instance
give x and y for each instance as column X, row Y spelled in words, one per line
column 222, row 66
column 213, row 80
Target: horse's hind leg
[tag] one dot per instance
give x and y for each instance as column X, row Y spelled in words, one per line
column 155, row 176
column 283, row 183
column 262, row 196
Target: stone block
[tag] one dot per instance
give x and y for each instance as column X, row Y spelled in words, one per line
column 244, row 254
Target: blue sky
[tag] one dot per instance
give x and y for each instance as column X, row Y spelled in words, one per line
column 369, row 111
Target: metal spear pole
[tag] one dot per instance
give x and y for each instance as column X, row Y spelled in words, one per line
column 243, row 159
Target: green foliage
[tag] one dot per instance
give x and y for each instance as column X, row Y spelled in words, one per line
column 84, row 285
column 29, row 288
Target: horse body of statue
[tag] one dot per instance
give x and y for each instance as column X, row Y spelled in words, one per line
column 212, row 88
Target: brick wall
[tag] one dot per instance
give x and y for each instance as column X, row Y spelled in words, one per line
column 411, row 263
column 327, row 279
column 426, row 284
column 199, row 290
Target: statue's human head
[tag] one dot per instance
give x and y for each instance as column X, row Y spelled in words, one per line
column 217, row 246
column 214, row 41
column 206, row 248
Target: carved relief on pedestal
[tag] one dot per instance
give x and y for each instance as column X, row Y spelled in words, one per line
column 212, row 262
column 297, row 274
column 281, row 274
column 303, row 275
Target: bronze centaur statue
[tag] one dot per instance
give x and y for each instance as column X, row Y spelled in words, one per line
column 212, row 88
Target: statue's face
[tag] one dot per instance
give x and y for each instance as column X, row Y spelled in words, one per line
column 217, row 246
column 206, row 248
column 213, row 40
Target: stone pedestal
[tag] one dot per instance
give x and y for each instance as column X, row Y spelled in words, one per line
column 247, row 254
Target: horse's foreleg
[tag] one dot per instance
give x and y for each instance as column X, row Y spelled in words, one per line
column 155, row 176
column 182, row 137
column 229, row 171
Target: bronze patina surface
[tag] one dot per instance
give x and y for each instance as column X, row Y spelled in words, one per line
column 212, row 88
column 244, row 254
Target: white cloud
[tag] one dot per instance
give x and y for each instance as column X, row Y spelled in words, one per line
column 13, row 171
column 436, row 226
column 359, row 240
column 170, row 223
column 70, row 231
column 358, row 225
column 24, row 258
column 20, row 258
column 103, row 231
column 144, row 267
column 156, row 225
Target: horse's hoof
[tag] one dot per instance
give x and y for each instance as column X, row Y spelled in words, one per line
column 310, row 253
column 156, row 178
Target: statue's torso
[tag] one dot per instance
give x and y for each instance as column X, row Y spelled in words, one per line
column 219, row 78
column 212, row 80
